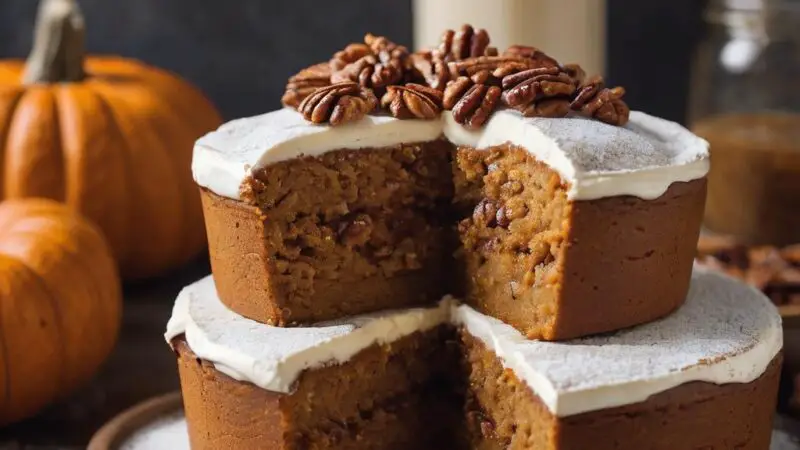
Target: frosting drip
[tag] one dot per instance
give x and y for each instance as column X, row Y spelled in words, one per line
column 726, row 332
column 596, row 159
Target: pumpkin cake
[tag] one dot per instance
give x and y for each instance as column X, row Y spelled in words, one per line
column 313, row 222
column 704, row 377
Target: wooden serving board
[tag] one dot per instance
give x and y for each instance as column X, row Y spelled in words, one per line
column 114, row 433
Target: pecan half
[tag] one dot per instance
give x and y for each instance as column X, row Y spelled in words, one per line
column 533, row 54
column 371, row 73
column 385, row 48
column 595, row 100
column 413, row 101
column 465, row 43
column 338, row 103
column 575, row 72
column 431, row 67
column 303, row 83
column 350, row 54
column 497, row 66
column 528, row 90
column 472, row 104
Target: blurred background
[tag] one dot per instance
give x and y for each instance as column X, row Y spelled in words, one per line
column 240, row 52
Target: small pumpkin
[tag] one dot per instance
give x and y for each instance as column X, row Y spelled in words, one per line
column 60, row 304
column 111, row 137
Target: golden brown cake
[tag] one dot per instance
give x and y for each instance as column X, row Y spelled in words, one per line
column 554, row 216
column 688, row 381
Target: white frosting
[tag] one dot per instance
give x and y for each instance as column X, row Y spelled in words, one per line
column 596, row 159
column 725, row 333
column 273, row 357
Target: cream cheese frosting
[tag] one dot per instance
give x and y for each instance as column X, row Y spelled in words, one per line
column 596, row 159
column 273, row 357
column 725, row 332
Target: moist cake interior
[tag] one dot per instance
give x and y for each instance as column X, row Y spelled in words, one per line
column 397, row 214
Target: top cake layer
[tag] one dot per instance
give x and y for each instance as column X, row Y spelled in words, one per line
column 596, row 159
column 726, row 332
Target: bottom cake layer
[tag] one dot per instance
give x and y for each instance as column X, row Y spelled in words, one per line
column 390, row 396
column 406, row 395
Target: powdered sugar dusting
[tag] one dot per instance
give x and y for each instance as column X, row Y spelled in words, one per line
column 168, row 432
column 726, row 332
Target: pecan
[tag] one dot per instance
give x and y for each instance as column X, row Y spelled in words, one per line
column 338, row 103
column 431, row 67
column 575, row 72
column 371, row 73
column 497, row 66
column 593, row 99
column 350, row 54
column 472, row 104
column 413, row 101
column 552, row 107
column 485, row 213
column 528, row 91
column 384, row 48
column 303, row 83
column 375, row 64
column 357, row 231
column 465, row 43
column 533, row 54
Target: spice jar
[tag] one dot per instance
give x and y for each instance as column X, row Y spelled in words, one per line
column 745, row 100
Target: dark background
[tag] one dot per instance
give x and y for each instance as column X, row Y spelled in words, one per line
column 240, row 52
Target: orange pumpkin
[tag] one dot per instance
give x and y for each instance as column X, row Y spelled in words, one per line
column 60, row 304
column 111, row 137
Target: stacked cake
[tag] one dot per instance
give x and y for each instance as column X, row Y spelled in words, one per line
column 463, row 248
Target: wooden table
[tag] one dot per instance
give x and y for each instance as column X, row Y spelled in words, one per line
column 141, row 367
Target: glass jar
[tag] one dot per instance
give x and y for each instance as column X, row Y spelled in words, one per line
column 745, row 100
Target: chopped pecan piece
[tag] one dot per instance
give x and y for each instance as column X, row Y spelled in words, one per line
column 593, row 99
column 303, row 83
column 338, row 103
column 472, row 104
column 413, row 101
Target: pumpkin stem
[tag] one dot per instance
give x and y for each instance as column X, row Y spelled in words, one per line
column 58, row 44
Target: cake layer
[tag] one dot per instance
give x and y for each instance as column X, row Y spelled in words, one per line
column 385, row 397
column 503, row 413
column 274, row 357
column 345, row 233
column 725, row 333
column 596, row 160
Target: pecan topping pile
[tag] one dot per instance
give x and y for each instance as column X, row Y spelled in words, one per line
column 774, row 271
column 463, row 74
